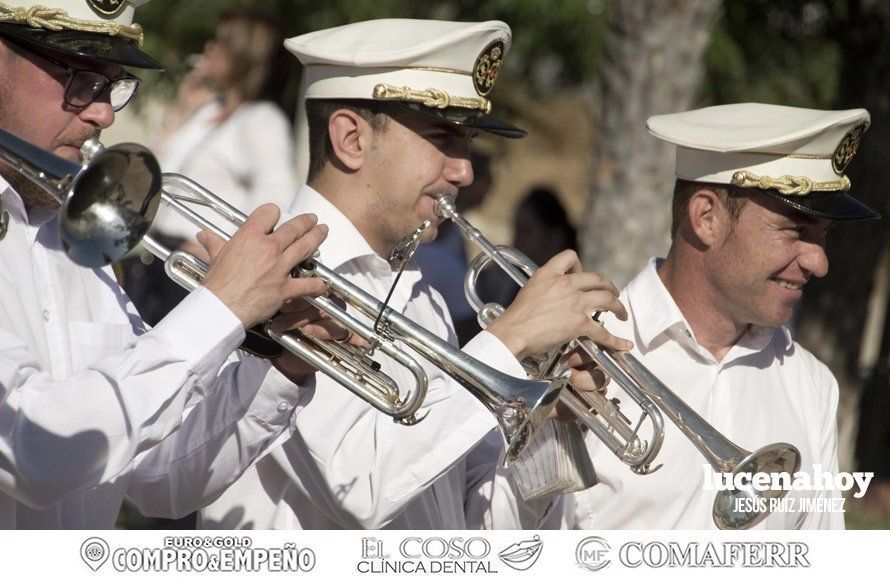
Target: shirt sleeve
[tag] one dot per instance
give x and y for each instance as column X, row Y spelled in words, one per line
column 59, row 436
column 249, row 407
column 362, row 469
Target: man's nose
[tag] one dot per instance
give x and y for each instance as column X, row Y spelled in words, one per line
column 814, row 260
column 459, row 171
column 98, row 113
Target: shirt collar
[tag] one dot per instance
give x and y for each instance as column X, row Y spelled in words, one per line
column 655, row 312
column 344, row 242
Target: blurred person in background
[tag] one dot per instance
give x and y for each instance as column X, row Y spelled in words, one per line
column 229, row 130
column 541, row 229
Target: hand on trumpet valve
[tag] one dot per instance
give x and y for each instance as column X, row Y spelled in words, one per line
column 251, row 273
column 555, row 307
column 586, row 376
column 299, row 314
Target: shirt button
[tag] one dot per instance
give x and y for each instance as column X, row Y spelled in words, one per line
column 46, row 315
column 688, row 333
column 283, row 407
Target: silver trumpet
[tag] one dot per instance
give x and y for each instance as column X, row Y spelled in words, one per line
column 602, row 415
column 107, row 205
column 520, row 406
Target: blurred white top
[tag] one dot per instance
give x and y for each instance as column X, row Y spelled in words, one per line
column 247, row 160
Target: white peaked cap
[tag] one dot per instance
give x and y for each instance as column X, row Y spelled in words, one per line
column 351, row 61
column 797, row 155
column 445, row 70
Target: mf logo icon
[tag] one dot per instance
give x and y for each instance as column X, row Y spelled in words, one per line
column 593, row 553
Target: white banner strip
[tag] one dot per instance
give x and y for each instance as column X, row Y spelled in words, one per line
column 506, row 554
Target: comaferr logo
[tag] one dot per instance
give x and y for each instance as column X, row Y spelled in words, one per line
column 711, row 555
column 593, row 553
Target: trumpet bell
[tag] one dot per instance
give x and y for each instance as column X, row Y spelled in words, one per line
column 110, row 205
column 530, row 406
column 774, row 458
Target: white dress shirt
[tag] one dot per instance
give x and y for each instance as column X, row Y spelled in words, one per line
column 767, row 389
column 86, row 387
column 349, row 466
column 247, row 159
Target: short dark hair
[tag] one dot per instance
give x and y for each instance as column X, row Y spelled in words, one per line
column 732, row 197
column 318, row 114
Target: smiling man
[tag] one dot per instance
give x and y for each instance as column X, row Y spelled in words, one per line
column 758, row 188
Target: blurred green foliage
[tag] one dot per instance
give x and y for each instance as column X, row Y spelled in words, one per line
column 780, row 51
column 777, row 51
column 556, row 44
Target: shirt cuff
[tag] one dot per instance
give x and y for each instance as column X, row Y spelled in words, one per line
column 202, row 330
column 278, row 396
column 491, row 351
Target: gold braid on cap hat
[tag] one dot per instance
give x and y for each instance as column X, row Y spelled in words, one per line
column 788, row 185
column 430, row 98
column 56, row 19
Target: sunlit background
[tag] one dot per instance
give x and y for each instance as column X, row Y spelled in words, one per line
column 582, row 76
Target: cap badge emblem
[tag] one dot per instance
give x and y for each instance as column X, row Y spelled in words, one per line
column 107, row 7
column 487, row 66
column 847, row 148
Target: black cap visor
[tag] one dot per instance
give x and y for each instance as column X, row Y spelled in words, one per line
column 827, row 205
column 466, row 117
column 85, row 45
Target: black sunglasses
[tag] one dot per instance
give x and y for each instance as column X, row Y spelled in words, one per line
column 85, row 86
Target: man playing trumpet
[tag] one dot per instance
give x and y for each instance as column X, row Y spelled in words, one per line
column 84, row 386
column 392, row 106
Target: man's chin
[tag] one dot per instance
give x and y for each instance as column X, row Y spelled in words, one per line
column 777, row 319
column 68, row 152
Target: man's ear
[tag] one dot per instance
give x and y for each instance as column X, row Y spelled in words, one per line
column 350, row 136
column 708, row 219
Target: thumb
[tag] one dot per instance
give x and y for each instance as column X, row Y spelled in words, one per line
column 211, row 242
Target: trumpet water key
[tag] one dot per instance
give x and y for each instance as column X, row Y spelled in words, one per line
column 655, row 399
